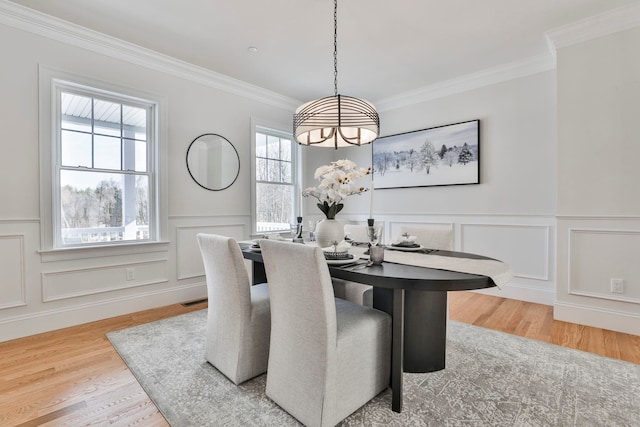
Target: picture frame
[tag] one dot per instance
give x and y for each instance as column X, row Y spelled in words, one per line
column 436, row 156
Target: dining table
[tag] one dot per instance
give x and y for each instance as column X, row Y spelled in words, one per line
column 415, row 297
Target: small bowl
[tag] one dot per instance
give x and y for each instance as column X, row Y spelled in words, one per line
column 337, row 255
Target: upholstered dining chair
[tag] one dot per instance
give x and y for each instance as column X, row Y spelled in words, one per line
column 360, row 232
column 432, row 237
column 356, row 232
column 328, row 356
column 238, row 317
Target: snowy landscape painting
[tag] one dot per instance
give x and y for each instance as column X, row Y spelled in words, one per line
column 443, row 155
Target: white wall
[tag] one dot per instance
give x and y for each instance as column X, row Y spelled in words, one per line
column 598, row 203
column 517, row 150
column 39, row 293
column 510, row 214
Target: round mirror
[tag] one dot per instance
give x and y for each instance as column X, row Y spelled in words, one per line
column 213, row 162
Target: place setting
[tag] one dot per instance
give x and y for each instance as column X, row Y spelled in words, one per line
column 354, row 253
column 338, row 253
column 407, row 243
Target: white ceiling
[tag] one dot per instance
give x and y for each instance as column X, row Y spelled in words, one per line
column 385, row 47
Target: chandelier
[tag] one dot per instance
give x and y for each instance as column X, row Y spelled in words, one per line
column 338, row 120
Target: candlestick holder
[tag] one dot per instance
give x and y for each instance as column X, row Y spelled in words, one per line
column 372, row 233
column 298, row 237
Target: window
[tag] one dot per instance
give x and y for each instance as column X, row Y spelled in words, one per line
column 276, row 185
column 103, row 167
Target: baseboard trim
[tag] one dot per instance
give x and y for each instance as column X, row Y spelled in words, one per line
column 45, row 321
column 522, row 293
column 628, row 323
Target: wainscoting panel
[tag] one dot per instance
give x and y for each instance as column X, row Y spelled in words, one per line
column 525, row 242
column 526, row 248
column 12, row 268
column 189, row 260
column 58, row 285
column 596, row 256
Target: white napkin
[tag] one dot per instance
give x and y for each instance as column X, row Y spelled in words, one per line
column 343, row 246
column 407, row 240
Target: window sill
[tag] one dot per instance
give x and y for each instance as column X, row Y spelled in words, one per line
column 85, row 252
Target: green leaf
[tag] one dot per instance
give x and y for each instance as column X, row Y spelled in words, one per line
column 324, row 208
column 330, row 211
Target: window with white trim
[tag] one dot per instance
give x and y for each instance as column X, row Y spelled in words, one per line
column 104, row 146
column 276, row 185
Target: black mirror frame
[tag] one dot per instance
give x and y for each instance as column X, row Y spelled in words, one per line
column 194, row 178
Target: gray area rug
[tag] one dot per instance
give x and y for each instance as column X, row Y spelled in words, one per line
column 492, row 379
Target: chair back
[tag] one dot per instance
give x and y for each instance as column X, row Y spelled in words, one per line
column 229, row 294
column 432, row 237
column 360, row 233
column 303, row 324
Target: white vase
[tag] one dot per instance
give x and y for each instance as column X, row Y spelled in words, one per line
column 329, row 230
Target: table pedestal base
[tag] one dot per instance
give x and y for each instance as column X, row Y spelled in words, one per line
column 424, row 325
column 425, row 331
column 419, row 333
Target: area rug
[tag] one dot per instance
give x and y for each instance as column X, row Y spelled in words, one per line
column 491, row 379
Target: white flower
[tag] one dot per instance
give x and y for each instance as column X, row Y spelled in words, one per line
column 345, row 164
column 322, row 170
column 337, row 182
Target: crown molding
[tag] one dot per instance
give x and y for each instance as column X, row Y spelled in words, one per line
column 487, row 77
column 35, row 22
column 30, row 20
column 610, row 22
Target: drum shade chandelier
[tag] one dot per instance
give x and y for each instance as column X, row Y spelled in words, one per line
column 338, row 120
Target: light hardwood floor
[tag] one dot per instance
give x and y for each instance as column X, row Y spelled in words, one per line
column 74, row 376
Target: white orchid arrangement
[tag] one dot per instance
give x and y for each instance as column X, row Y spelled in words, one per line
column 336, row 184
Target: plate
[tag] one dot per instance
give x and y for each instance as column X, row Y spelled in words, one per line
column 255, row 249
column 405, row 248
column 341, row 261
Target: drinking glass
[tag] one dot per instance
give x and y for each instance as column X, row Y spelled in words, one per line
column 375, row 235
column 376, row 254
column 312, row 230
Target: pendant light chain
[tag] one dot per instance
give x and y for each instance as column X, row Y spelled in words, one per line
column 339, row 120
column 335, row 47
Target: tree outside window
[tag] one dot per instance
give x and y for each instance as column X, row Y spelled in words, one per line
column 275, row 183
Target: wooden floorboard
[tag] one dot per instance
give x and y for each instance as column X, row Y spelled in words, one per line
column 74, row 377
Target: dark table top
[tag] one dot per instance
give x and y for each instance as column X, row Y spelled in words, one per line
column 401, row 276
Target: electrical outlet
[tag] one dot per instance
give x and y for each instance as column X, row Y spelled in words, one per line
column 617, row 286
column 131, row 274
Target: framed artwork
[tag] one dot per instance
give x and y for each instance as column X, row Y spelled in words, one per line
column 442, row 155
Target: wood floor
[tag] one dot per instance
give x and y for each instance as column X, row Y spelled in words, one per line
column 74, row 376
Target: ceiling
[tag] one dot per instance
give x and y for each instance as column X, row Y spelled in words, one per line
column 385, row 47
